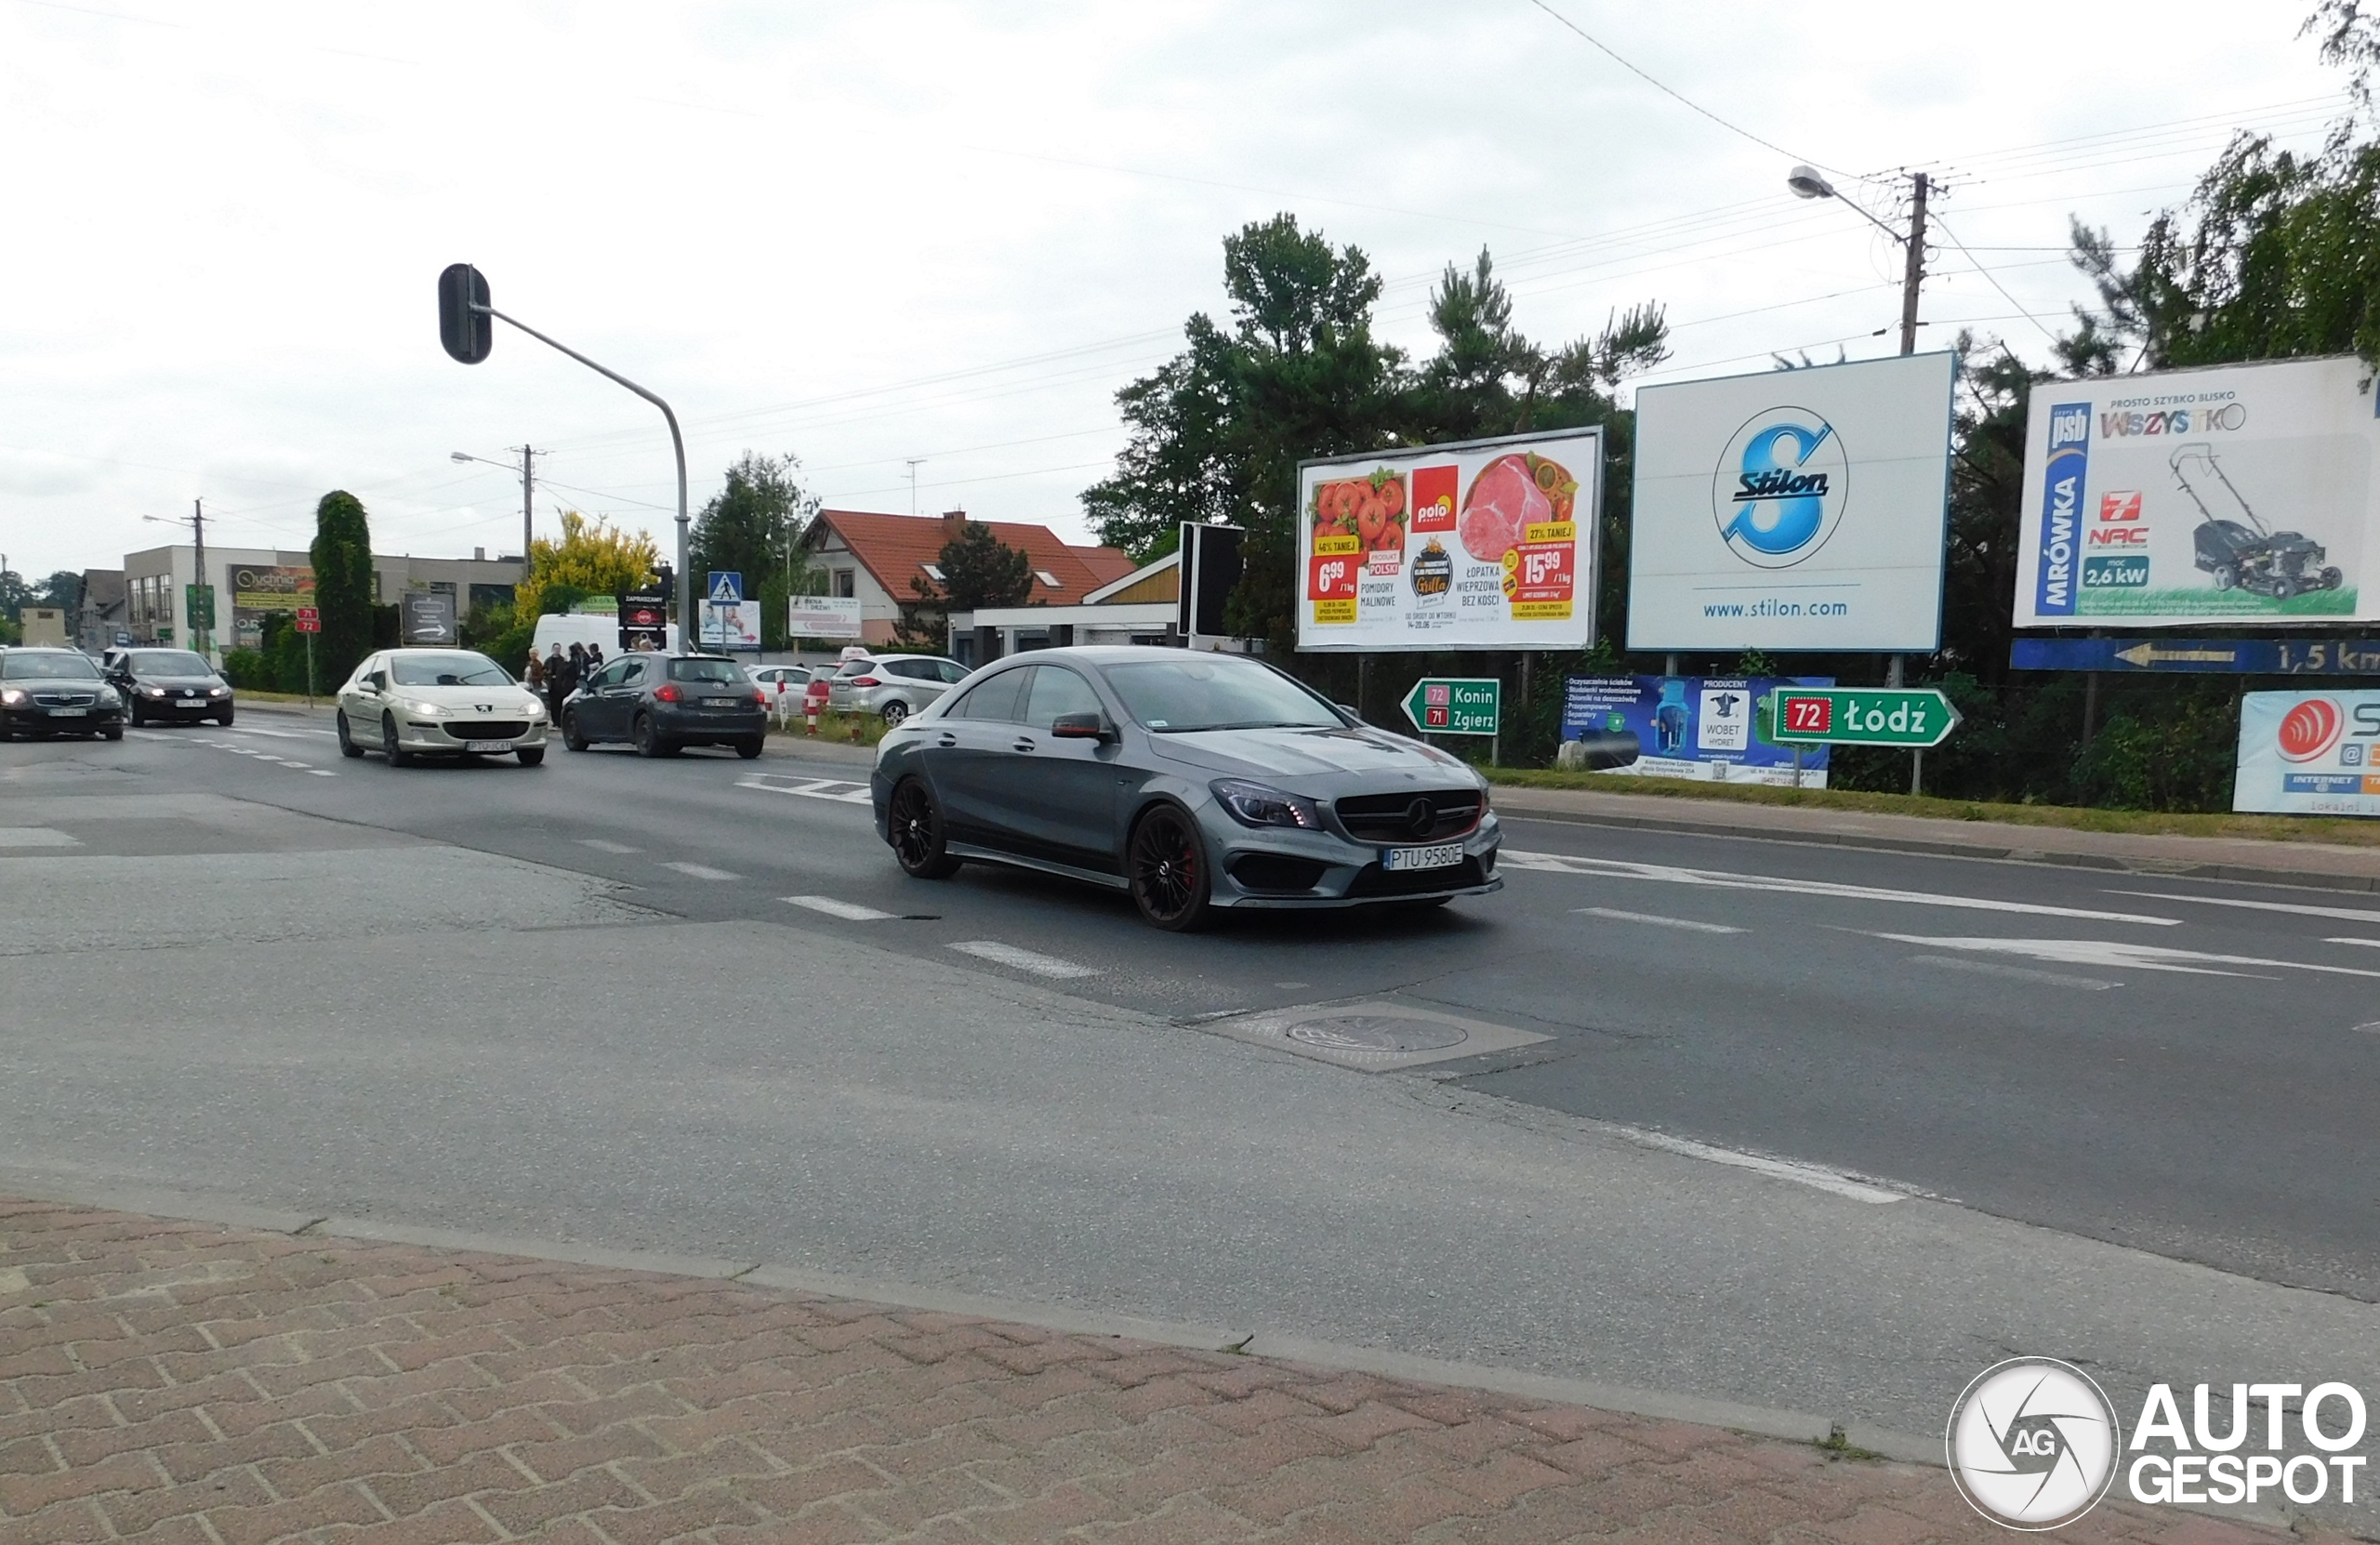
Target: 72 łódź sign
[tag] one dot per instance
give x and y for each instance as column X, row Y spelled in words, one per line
column 1918, row 717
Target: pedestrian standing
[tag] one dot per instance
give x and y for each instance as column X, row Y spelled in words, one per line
column 534, row 678
column 594, row 658
column 555, row 691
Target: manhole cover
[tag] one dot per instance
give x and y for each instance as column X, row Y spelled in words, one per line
column 1377, row 1033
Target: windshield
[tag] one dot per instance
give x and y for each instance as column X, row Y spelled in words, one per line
column 1177, row 696
column 460, row 669
column 169, row 662
column 60, row 666
column 726, row 673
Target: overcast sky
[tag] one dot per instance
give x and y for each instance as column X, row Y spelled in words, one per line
column 865, row 233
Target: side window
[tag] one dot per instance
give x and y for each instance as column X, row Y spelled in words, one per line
column 859, row 667
column 998, row 699
column 1058, row 690
column 951, row 671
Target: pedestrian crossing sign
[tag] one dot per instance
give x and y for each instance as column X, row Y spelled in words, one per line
column 726, row 588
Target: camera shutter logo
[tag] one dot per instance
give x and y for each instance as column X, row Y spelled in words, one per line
column 2033, row 1444
column 1779, row 489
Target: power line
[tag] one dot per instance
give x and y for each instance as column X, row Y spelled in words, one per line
column 1993, row 279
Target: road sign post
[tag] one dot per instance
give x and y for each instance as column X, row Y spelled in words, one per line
column 726, row 588
column 1915, row 717
column 1445, row 705
column 310, row 622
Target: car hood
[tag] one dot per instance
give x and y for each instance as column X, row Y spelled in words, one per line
column 1312, row 759
column 498, row 700
column 141, row 679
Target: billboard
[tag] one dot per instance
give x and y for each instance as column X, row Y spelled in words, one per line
column 643, row 619
column 2234, row 493
column 1700, row 727
column 728, row 624
column 429, row 617
column 1794, row 509
column 2308, row 753
column 1485, row 544
column 261, row 589
column 823, row 618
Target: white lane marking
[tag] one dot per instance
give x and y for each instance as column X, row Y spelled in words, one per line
column 1022, row 959
column 702, row 871
column 2301, row 908
column 320, row 772
column 607, row 845
column 1655, row 918
column 277, row 734
column 2015, row 973
column 36, row 836
column 847, row 911
column 151, row 734
column 2368, row 944
column 2120, row 955
column 1776, row 1169
column 842, row 790
column 1613, row 869
column 2374, row 1027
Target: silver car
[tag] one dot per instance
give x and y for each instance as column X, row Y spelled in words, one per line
column 1191, row 781
column 408, row 703
column 891, row 686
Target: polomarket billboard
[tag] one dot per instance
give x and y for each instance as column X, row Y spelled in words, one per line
column 2236, row 493
column 1488, row 544
column 1794, row 509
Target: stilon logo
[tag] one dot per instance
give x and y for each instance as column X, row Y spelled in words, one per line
column 1780, row 487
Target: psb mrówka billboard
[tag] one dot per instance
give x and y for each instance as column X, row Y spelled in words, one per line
column 2236, row 493
column 1488, row 544
column 2308, row 753
column 1794, row 509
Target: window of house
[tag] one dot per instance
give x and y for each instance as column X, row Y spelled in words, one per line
column 933, row 572
column 1046, row 577
column 845, row 581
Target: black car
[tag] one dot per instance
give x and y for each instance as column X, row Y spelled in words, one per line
column 662, row 702
column 171, row 686
column 57, row 692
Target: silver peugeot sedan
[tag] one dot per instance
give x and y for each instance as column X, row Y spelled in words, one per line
column 1194, row 782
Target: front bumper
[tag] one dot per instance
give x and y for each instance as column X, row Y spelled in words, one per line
column 34, row 720
column 453, row 738
column 182, row 707
column 1276, row 867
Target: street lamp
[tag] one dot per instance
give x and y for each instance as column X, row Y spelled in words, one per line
column 1807, row 184
column 528, row 485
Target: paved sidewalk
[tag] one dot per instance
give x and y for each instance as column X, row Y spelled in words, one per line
column 184, row 1382
column 2331, row 866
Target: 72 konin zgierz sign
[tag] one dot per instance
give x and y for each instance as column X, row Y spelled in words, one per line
column 1464, row 706
column 1915, row 717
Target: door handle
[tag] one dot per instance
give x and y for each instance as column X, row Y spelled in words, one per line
column 1023, row 743
column 948, row 739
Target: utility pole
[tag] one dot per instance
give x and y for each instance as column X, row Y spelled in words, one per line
column 1913, row 277
column 198, row 537
column 914, row 463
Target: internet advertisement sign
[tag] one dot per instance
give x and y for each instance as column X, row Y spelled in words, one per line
column 1710, row 728
column 1488, row 544
column 1794, row 509
column 2308, row 753
column 2236, row 493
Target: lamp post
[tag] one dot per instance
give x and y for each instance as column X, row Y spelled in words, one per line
column 528, row 485
column 1806, row 182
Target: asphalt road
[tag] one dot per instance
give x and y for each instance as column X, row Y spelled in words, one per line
column 431, row 1029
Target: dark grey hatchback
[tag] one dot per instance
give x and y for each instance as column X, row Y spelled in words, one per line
column 1191, row 781
column 661, row 703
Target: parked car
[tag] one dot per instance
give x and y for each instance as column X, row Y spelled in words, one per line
column 408, row 703
column 1191, row 781
column 892, row 686
column 48, row 691
column 662, row 702
column 786, row 683
column 173, row 686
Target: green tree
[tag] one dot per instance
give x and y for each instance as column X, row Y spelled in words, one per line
column 592, row 558
column 342, row 560
column 754, row 526
column 979, row 570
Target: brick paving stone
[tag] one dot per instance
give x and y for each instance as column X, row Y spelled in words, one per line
column 183, row 1383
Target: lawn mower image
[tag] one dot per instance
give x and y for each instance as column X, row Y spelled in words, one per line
column 2250, row 556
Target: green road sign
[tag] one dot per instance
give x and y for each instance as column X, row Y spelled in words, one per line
column 1916, row 717
column 199, row 601
column 1440, row 707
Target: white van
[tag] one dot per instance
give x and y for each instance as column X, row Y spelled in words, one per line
column 564, row 630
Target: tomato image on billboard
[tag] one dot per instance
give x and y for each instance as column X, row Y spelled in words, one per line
column 1370, row 509
column 2310, row 729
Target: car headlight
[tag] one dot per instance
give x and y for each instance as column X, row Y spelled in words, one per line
column 426, row 710
column 1255, row 805
column 152, row 692
column 534, row 708
column 11, row 696
column 219, row 691
column 108, row 699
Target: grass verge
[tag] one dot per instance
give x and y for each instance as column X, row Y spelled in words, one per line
column 2343, row 831
column 834, row 727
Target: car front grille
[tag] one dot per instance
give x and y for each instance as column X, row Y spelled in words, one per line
column 66, row 699
column 1424, row 815
column 1275, row 871
column 488, row 729
column 1377, row 881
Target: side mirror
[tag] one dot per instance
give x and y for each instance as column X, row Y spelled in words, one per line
column 1080, row 727
column 1350, row 712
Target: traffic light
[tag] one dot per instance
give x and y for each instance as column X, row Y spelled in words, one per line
column 464, row 325
column 665, row 579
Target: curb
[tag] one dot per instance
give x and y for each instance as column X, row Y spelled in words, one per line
column 2172, row 868
column 1757, row 1420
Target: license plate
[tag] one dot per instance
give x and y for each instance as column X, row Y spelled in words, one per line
column 487, row 745
column 70, row 713
column 1445, row 855
column 191, row 703
column 722, row 702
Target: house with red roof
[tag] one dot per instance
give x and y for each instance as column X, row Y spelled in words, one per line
column 881, row 559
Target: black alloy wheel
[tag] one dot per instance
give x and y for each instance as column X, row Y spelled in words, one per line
column 347, row 746
column 398, row 756
column 1168, row 871
column 532, row 756
column 649, row 740
column 571, row 736
column 914, row 824
column 748, row 748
